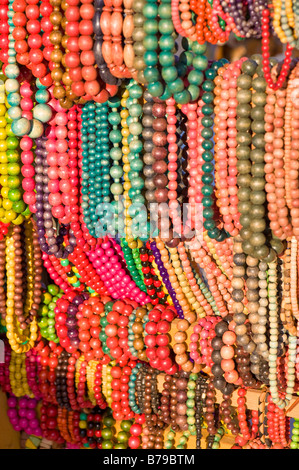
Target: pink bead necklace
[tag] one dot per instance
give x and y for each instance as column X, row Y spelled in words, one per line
column 200, row 341
column 225, row 148
column 194, row 193
column 4, row 369
column 109, row 266
column 22, row 415
column 62, row 145
column 32, row 364
column 26, row 144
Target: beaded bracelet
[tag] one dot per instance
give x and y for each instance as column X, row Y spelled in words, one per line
column 158, row 350
column 32, row 371
column 138, row 330
column 99, row 397
column 132, row 385
column 89, row 317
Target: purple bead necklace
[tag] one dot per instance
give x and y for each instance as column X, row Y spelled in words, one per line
column 164, row 274
column 247, row 17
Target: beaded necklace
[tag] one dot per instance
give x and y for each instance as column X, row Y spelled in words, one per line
column 171, row 73
column 116, row 171
column 33, row 366
column 280, row 402
column 4, row 32
column 153, row 284
column 250, row 27
column 89, row 316
column 104, row 71
column 95, row 172
column 112, row 28
column 265, row 49
column 62, row 159
column 138, row 37
column 207, row 156
column 29, row 51
column 18, row 318
column 22, row 415
column 42, row 112
column 18, row 376
column 49, row 243
column 46, row 313
column 250, row 154
column 283, row 22
column 132, row 257
column 13, row 207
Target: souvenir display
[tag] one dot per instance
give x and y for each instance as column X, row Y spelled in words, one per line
column 149, row 224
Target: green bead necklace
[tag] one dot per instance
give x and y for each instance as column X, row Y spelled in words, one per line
column 206, row 292
column 123, row 436
column 47, row 314
column 217, row 438
column 138, row 36
column 133, row 263
column 136, row 224
column 288, row 31
column 132, row 385
column 160, row 46
column 135, row 143
column 207, row 145
column 111, row 439
column 95, row 162
column 295, row 434
column 251, row 97
column 12, row 207
column 170, row 438
column 191, row 403
column 108, row 430
column 116, row 170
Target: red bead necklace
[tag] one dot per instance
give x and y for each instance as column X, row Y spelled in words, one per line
column 4, row 31
column 27, row 25
column 266, row 55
